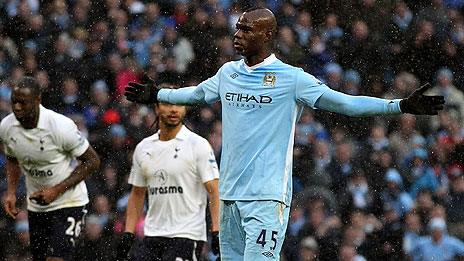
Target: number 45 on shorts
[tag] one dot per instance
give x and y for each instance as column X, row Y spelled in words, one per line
column 262, row 239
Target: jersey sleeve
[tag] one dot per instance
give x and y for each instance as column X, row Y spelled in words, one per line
column 72, row 140
column 207, row 167
column 205, row 92
column 357, row 106
column 4, row 140
column 136, row 176
column 308, row 88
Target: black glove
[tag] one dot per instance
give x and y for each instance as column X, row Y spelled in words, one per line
column 215, row 242
column 418, row 103
column 145, row 92
column 124, row 246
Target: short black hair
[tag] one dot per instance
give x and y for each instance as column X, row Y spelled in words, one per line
column 31, row 84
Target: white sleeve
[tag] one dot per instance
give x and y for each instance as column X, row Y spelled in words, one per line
column 4, row 139
column 71, row 138
column 207, row 168
column 136, row 177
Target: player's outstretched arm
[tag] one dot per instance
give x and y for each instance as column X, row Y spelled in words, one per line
column 147, row 92
column 418, row 103
column 13, row 173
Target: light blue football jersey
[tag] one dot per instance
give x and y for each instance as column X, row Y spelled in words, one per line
column 260, row 107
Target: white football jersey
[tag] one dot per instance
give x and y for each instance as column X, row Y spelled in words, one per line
column 174, row 173
column 46, row 155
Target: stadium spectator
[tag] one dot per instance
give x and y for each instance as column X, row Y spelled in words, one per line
column 438, row 245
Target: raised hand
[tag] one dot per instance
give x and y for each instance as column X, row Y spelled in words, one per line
column 420, row 104
column 145, row 92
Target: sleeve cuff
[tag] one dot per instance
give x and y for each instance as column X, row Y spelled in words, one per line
column 393, row 106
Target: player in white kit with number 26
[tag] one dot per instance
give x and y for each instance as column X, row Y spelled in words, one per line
column 44, row 146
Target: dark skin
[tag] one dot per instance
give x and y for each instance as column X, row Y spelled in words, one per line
column 26, row 108
column 25, row 105
column 254, row 35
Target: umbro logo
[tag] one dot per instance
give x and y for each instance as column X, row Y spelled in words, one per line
column 268, row 254
column 234, row 75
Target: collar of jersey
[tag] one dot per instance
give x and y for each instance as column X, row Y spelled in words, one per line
column 268, row 60
column 181, row 135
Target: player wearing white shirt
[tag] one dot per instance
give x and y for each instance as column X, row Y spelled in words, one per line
column 44, row 145
column 178, row 170
column 262, row 98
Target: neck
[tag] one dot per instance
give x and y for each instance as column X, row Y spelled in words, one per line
column 33, row 123
column 167, row 132
column 257, row 58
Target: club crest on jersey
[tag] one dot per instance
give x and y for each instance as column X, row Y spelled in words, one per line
column 161, row 176
column 269, row 79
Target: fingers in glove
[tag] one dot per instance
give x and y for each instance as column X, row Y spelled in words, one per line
column 436, row 100
column 131, row 97
column 136, row 85
column 132, row 90
column 147, row 79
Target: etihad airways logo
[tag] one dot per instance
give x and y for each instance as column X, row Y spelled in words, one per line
column 247, row 100
column 243, row 97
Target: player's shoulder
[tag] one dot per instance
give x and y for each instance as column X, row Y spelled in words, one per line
column 6, row 124
column 147, row 142
column 56, row 121
column 195, row 140
column 8, row 121
column 231, row 66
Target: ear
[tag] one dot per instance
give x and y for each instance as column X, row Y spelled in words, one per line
column 268, row 35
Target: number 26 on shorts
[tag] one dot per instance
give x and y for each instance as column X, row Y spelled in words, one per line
column 262, row 239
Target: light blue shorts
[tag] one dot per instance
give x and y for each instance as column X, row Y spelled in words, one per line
column 252, row 230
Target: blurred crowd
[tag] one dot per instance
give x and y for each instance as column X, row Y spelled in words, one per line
column 385, row 188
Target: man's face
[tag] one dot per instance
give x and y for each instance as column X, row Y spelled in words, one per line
column 169, row 114
column 250, row 36
column 25, row 105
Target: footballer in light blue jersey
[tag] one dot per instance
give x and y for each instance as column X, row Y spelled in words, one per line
column 262, row 98
column 260, row 107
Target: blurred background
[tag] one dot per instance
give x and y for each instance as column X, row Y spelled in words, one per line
column 364, row 189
